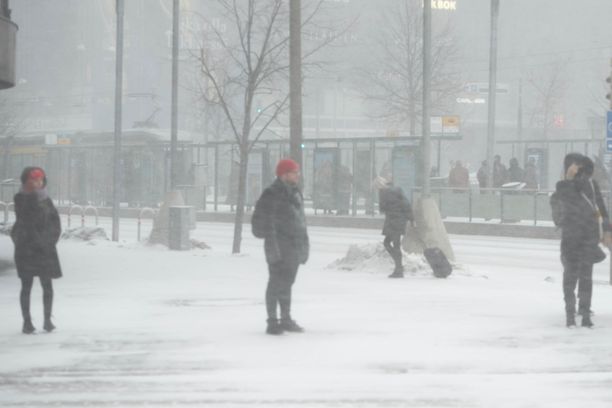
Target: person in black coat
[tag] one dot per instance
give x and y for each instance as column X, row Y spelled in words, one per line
column 35, row 235
column 280, row 220
column 398, row 212
column 580, row 212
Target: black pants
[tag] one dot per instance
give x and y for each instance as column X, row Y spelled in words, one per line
column 577, row 273
column 26, row 290
column 393, row 245
column 278, row 293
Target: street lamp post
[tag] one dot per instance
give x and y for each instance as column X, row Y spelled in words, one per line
column 174, row 119
column 492, row 90
column 426, row 148
column 120, row 6
column 295, row 79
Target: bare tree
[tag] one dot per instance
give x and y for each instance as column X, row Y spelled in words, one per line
column 249, row 65
column 396, row 78
column 550, row 87
column 245, row 71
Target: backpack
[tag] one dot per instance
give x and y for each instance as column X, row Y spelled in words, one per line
column 259, row 218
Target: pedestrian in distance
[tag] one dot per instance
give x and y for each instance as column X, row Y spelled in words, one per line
column 515, row 173
column 578, row 209
column 459, row 177
column 500, row 173
column 483, row 177
column 398, row 212
column 35, row 235
column 280, row 220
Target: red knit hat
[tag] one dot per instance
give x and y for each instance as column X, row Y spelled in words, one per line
column 286, row 166
column 36, row 174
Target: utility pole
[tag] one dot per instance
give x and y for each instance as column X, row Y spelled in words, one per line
column 174, row 120
column 520, row 110
column 295, row 79
column 426, row 148
column 492, row 90
column 120, row 9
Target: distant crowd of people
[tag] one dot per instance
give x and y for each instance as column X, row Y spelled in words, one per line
column 459, row 175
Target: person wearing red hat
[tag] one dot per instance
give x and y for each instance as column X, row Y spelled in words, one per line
column 280, row 220
column 35, row 235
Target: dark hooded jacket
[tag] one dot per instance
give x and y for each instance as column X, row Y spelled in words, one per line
column 279, row 218
column 397, row 210
column 35, row 235
column 574, row 206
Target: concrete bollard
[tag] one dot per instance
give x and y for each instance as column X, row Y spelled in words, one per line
column 179, row 227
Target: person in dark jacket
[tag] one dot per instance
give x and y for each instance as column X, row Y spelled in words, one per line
column 515, row 173
column 279, row 219
column 500, row 173
column 483, row 176
column 459, row 177
column 398, row 211
column 579, row 210
column 35, row 235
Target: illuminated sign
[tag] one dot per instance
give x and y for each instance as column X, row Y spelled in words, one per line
column 450, row 5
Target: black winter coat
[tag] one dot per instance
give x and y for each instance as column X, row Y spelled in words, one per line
column 279, row 218
column 574, row 206
column 396, row 207
column 35, row 235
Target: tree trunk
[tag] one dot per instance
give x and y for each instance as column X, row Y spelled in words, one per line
column 242, row 181
column 413, row 119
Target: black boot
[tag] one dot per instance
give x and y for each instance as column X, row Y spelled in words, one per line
column 586, row 321
column 274, row 327
column 49, row 326
column 570, row 321
column 291, row 326
column 28, row 327
column 397, row 273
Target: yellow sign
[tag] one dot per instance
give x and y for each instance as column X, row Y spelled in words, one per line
column 63, row 141
column 451, row 124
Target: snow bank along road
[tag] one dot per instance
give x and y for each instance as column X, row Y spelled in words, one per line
column 142, row 327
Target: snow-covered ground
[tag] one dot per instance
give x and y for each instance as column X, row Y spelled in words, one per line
column 140, row 327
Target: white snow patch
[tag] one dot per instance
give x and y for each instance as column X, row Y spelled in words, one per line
column 373, row 258
column 85, row 234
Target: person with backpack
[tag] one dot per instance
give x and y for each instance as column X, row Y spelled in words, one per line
column 398, row 211
column 280, row 220
column 578, row 209
column 35, row 235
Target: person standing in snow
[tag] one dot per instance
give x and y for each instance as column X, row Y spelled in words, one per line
column 500, row 173
column 398, row 211
column 459, row 177
column 35, row 235
column 579, row 211
column 483, row 177
column 515, row 173
column 280, row 220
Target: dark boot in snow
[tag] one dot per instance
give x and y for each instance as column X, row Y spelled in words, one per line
column 28, row 327
column 397, row 273
column 586, row 321
column 570, row 321
column 274, row 327
column 49, row 326
column 291, row 326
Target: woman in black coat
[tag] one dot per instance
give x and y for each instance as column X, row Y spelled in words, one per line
column 579, row 209
column 398, row 211
column 35, row 235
